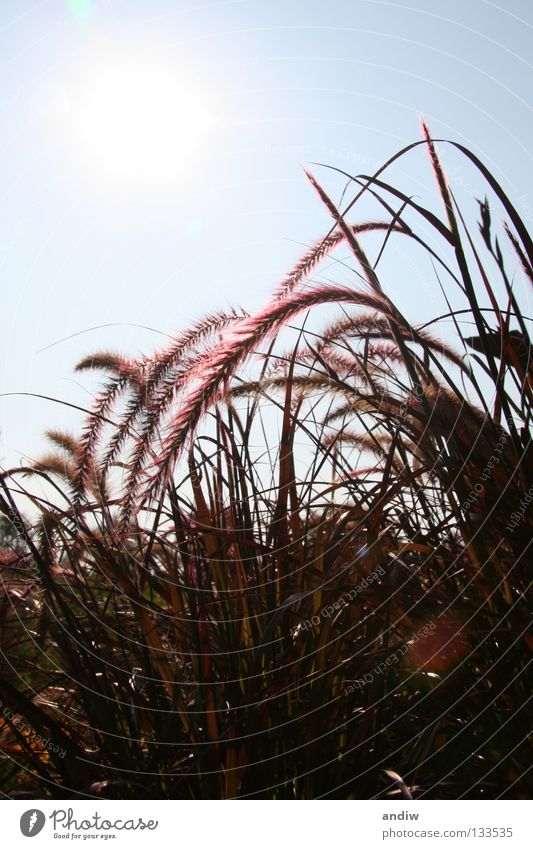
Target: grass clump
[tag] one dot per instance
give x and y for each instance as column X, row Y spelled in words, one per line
column 290, row 561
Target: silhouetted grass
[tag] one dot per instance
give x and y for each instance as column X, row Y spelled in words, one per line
column 292, row 563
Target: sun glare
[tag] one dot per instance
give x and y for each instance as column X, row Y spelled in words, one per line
column 139, row 122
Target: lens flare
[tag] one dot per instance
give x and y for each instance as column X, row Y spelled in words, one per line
column 80, row 8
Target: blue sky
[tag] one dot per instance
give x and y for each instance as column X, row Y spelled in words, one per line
column 283, row 84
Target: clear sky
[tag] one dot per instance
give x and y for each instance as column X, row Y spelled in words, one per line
column 206, row 205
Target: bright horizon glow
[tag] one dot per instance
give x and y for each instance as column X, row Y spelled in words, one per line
column 138, row 121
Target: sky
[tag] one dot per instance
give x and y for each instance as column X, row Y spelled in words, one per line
column 152, row 158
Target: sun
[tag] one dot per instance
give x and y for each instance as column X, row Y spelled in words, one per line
column 139, row 121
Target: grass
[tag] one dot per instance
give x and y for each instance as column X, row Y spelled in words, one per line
column 290, row 561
